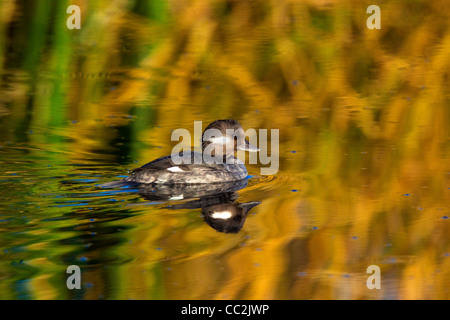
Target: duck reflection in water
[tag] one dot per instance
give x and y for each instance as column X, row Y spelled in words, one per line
column 217, row 201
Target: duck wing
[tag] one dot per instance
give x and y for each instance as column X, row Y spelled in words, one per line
column 166, row 163
column 162, row 163
column 164, row 170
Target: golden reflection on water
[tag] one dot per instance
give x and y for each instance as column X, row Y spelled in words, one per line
column 364, row 150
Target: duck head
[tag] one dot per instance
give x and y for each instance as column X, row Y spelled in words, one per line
column 226, row 136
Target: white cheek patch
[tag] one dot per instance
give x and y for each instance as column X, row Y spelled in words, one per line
column 174, row 169
column 221, row 215
column 221, row 140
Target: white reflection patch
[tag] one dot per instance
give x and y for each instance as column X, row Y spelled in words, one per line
column 222, row 215
column 174, row 169
column 220, row 140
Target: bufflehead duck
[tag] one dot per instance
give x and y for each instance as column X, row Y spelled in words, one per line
column 221, row 139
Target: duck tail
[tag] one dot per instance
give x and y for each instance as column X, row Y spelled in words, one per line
column 114, row 184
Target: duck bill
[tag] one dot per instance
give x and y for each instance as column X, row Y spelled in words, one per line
column 247, row 146
column 249, row 205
